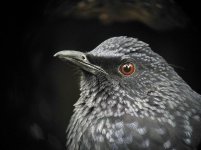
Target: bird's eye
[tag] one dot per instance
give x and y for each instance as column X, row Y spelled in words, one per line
column 127, row 69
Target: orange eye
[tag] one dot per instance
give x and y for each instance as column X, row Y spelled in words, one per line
column 127, row 69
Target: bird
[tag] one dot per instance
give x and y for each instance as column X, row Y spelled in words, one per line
column 131, row 99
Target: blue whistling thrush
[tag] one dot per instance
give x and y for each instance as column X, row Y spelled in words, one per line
column 131, row 99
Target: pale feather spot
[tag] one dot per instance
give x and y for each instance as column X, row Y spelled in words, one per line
column 187, row 141
column 160, row 131
column 142, row 131
column 146, row 143
column 197, row 118
column 167, row 144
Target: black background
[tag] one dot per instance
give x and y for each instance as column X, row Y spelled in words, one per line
column 40, row 90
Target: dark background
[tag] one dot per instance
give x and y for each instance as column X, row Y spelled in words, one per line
column 40, row 90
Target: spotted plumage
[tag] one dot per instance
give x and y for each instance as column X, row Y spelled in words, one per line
column 153, row 108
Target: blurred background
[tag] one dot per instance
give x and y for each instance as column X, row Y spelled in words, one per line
column 41, row 90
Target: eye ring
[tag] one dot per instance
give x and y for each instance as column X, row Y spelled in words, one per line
column 127, row 69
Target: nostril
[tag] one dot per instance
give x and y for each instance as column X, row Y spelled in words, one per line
column 83, row 57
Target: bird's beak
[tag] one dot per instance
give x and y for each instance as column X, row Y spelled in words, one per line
column 79, row 59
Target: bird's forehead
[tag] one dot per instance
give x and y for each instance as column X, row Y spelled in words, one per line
column 118, row 46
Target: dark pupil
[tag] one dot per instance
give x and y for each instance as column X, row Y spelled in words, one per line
column 127, row 68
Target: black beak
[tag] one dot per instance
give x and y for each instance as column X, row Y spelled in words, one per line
column 79, row 59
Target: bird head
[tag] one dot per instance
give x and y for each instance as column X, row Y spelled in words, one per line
column 119, row 70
